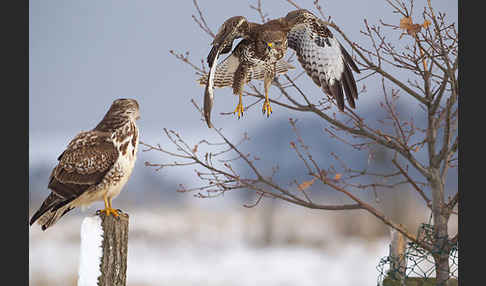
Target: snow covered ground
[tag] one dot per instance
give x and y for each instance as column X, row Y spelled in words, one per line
column 219, row 247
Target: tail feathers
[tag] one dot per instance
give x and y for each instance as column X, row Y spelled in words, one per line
column 226, row 69
column 52, row 209
column 223, row 74
column 51, row 217
column 281, row 67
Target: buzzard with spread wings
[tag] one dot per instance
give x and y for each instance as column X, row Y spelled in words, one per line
column 259, row 55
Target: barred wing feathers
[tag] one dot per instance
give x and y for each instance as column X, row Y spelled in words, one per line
column 323, row 58
column 85, row 162
column 225, row 71
column 232, row 29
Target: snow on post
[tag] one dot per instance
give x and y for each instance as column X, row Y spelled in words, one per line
column 104, row 245
column 90, row 256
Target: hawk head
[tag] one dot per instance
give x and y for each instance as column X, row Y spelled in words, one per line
column 125, row 107
column 273, row 43
column 122, row 111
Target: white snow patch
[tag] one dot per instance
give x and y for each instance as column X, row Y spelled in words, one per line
column 185, row 247
column 90, row 251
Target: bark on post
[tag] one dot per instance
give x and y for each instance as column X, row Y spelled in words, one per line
column 398, row 265
column 113, row 264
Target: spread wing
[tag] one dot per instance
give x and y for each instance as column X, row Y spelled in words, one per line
column 322, row 56
column 87, row 159
column 232, row 29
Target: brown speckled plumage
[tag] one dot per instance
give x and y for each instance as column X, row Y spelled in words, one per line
column 319, row 53
column 95, row 163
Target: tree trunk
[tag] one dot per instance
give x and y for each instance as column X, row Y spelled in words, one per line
column 442, row 269
column 441, row 237
column 115, row 249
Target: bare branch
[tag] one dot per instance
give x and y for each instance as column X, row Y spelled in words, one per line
column 426, row 52
column 201, row 21
column 412, row 182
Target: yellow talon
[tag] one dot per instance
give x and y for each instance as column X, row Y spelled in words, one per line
column 239, row 110
column 266, row 108
column 109, row 211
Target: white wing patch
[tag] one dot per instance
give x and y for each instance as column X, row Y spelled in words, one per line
column 320, row 57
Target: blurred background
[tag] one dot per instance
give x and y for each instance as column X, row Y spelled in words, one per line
column 85, row 54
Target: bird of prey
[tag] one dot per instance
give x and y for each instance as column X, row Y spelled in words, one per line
column 259, row 56
column 95, row 165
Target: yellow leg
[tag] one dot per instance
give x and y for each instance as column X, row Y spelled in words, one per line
column 239, row 107
column 108, row 209
column 266, row 105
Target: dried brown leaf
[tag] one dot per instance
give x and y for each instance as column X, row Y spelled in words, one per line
column 407, row 24
column 306, row 184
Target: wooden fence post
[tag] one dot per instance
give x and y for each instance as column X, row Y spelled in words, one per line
column 104, row 250
column 398, row 260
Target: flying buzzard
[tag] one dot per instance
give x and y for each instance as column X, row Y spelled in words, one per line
column 95, row 165
column 259, row 56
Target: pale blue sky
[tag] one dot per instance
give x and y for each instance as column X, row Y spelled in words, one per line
column 84, row 54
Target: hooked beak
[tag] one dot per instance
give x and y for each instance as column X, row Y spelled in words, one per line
column 269, row 46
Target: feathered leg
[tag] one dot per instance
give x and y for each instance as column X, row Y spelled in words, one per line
column 108, row 209
column 269, row 76
column 239, row 81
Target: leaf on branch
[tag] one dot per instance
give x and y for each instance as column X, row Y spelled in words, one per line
column 292, row 144
column 337, row 176
column 306, row 184
column 407, row 24
column 412, row 29
column 194, row 150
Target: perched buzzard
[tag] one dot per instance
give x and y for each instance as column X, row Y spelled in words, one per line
column 95, row 165
column 259, row 56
